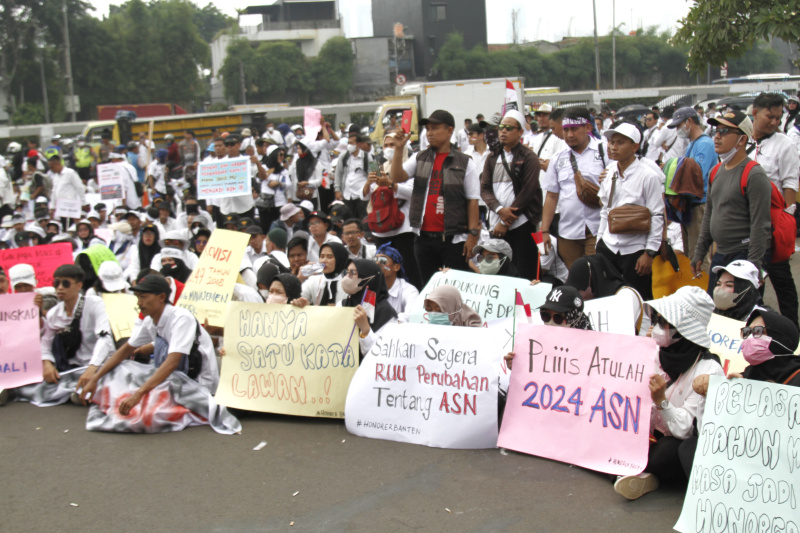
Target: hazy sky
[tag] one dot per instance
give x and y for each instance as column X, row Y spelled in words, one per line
column 537, row 20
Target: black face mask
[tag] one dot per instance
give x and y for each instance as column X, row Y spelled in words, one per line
column 678, row 357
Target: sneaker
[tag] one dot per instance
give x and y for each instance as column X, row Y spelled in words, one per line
column 634, row 487
column 3, row 397
column 75, row 398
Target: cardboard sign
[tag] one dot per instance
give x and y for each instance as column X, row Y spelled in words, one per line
column 223, row 178
column 109, row 178
column 492, row 297
column 122, row 313
column 311, row 120
column 284, row 359
column 68, row 208
column 431, row 385
column 746, row 470
column 726, row 342
column 20, row 351
column 581, row 398
column 44, row 259
column 208, row 290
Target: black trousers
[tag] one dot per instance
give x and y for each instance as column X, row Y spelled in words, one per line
column 670, row 459
column 435, row 253
column 780, row 274
column 266, row 216
column 326, row 197
column 626, row 264
column 526, row 253
column 404, row 243
column 358, row 208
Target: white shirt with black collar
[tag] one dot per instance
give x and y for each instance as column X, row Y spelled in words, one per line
column 777, row 156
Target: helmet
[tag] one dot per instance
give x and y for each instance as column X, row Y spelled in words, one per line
column 169, row 136
column 14, row 147
column 67, row 141
column 55, row 137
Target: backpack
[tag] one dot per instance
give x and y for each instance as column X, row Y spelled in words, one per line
column 784, row 228
column 385, row 215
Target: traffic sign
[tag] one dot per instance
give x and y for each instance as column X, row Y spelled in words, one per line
column 400, row 79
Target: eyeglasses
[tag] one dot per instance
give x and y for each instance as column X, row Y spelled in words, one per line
column 382, row 260
column 723, row 131
column 351, row 233
column 656, row 319
column 506, row 127
column 67, row 284
column 548, row 316
column 352, row 273
column 315, row 223
column 757, row 331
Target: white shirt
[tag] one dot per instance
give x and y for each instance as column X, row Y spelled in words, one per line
column 236, row 204
column 354, row 176
column 170, row 225
column 132, row 200
column 142, row 156
column 97, row 343
column 553, row 263
column 794, row 136
column 779, row 159
column 158, row 171
column 560, row 179
column 313, row 247
column 7, row 195
column 179, row 328
column 423, row 139
column 401, row 296
column 279, row 191
column 504, row 191
column 685, row 404
column 67, row 185
column 652, row 148
column 547, row 144
column 276, row 136
column 320, row 150
column 366, row 251
column 472, row 188
column 640, row 185
column 462, row 139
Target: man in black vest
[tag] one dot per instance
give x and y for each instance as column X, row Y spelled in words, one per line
column 444, row 203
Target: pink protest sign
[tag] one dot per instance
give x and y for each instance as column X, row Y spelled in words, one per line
column 44, row 259
column 20, row 352
column 311, row 120
column 580, row 397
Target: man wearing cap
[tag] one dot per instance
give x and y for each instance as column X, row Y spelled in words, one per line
column 318, row 226
column 545, row 144
column 243, row 205
column 686, row 122
column 444, row 202
column 165, row 221
column 578, row 222
column 256, row 247
column 512, row 193
column 740, row 225
column 774, row 151
column 630, row 182
column 67, row 185
column 179, row 344
column 291, row 216
column 351, row 175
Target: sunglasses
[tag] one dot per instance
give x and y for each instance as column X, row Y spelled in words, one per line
column 382, row 260
column 723, row 131
column 556, row 318
column 757, row 331
column 506, row 127
column 67, row 284
column 656, row 319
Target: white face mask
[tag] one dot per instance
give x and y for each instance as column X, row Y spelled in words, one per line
column 659, row 335
column 270, row 130
column 388, row 153
column 727, row 156
column 352, row 148
column 276, row 299
column 264, row 293
column 683, row 133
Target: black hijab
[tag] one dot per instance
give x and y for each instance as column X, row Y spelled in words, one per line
column 147, row 253
column 597, row 272
column 178, row 271
column 266, row 274
column 341, row 256
column 680, row 356
column 384, row 311
column 272, row 160
column 746, row 302
column 306, row 163
column 785, row 364
column 291, row 286
column 88, row 240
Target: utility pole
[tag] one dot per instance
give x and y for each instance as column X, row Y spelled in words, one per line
column 596, row 48
column 241, row 83
column 68, row 62
column 44, row 88
column 613, row 44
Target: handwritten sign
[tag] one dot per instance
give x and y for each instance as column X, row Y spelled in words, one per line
column 431, row 385
column 44, row 259
column 209, row 289
column 68, row 208
column 109, row 178
column 746, row 470
column 726, row 342
column 223, row 178
column 283, row 359
column 492, row 297
column 122, row 313
column 587, row 392
column 20, row 352
column 311, row 120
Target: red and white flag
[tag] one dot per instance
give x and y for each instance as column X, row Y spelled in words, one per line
column 368, row 303
column 511, row 101
column 522, row 307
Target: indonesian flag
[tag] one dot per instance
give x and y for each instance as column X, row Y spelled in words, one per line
column 368, row 303
column 511, row 101
column 325, row 179
column 522, row 307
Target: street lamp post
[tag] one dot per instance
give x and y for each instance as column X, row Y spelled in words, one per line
column 596, row 48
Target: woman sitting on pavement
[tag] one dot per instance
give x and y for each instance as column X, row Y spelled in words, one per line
column 362, row 275
column 284, row 289
column 444, row 307
column 494, row 258
column 323, row 289
column 736, row 293
column 679, row 328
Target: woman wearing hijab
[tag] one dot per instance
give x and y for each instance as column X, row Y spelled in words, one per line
column 266, row 273
column 144, row 253
column 305, row 175
column 323, row 289
column 595, row 277
column 273, row 188
column 494, row 258
column 173, row 264
column 362, row 275
column 85, row 237
column 736, row 293
column 679, row 328
column 200, row 241
column 284, row 289
column 445, row 308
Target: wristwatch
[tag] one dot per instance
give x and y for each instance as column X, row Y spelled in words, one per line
column 652, row 253
column 663, row 405
column 474, row 232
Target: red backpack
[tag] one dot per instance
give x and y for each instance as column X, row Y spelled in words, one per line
column 784, row 227
column 385, row 215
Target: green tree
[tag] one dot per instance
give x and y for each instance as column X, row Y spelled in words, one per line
column 333, row 70
column 719, row 30
column 210, row 21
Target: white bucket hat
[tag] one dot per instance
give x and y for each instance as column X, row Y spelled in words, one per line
column 110, row 273
column 689, row 310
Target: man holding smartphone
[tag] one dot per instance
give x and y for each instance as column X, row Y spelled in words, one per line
column 351, row 175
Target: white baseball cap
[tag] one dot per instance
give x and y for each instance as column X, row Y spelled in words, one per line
column 110, row 273
column 22, row 273
column 628, row 130
column 741, row 269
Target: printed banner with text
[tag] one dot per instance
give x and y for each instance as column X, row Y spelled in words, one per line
column 581, row 397
column 44, row 259
column 20, row 351
column 223, row 178
column 492, row 297
column 746, row 470
column 288, row 360
column 109, row 178
column 431, row 385
column 208, row 290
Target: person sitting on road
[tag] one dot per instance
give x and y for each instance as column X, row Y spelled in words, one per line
column 362, row 275
column 402, row 293
column 444, row 307
column 494, row 258
column 736, row 293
